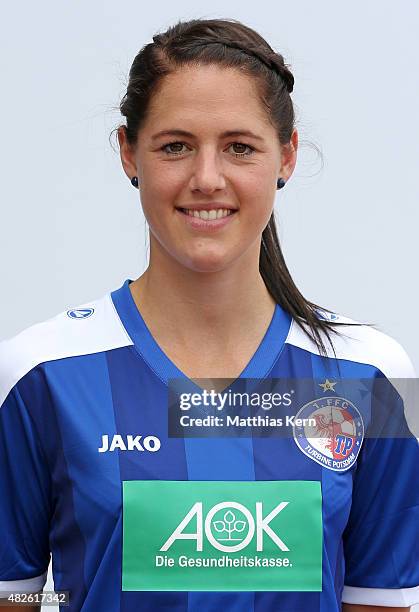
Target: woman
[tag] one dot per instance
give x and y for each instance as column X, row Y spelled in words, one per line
column 139, row 512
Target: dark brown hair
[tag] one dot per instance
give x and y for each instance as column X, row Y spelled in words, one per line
column 231, row 44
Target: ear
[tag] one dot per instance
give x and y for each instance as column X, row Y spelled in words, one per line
column 127, row 154
column 289, row 156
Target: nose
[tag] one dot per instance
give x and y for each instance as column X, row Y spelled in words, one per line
column 207, row 171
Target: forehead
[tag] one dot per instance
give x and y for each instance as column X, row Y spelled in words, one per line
column 207, row 94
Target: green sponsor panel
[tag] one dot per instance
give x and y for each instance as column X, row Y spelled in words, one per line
column 222, row 535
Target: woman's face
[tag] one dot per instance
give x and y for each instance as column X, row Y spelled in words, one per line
column 205, row 167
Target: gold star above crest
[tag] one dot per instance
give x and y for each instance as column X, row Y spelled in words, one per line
column 328, row 386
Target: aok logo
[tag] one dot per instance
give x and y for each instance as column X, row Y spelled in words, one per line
column 226, row 530
column 131, row 443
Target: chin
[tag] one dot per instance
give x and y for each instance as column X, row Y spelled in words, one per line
column 207, row 263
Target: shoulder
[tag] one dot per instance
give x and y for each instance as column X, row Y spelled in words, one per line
column 358, row 342
column 83, row 329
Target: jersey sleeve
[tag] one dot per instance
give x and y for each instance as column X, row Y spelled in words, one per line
column 381, row 540
column 24, row 501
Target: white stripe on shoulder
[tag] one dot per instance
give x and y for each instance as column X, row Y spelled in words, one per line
column 27, row 585
column 380, row 597
column 88, row 328
column 361, row 344
column 366, row 345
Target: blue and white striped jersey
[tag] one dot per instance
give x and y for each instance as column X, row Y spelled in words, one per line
column 89, row 472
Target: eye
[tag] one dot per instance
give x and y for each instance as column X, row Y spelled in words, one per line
column 241, row 153
column 170, row 144
column 176, row 148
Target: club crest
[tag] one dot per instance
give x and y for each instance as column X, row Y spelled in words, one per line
column 335, row 437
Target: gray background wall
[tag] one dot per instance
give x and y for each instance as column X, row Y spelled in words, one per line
column 71, row 223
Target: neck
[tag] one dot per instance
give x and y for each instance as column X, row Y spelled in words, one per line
column 217, row 306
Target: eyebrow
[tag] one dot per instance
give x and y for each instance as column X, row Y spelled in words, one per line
column 176, row 132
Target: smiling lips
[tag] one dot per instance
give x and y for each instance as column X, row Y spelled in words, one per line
column 209, row 215
column 210, row 211
column 207, row 220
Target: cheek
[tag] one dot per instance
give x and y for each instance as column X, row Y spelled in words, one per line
column 157, row 198
column 258, row 198
column 158, row 187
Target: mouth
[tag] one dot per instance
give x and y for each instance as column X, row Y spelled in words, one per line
column 213, row 220
column 207, row 215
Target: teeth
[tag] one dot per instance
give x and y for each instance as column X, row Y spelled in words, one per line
column 209, row 215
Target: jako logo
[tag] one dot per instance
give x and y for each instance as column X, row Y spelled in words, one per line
column 149, row 443
column 227, row 528
column 80, row 313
